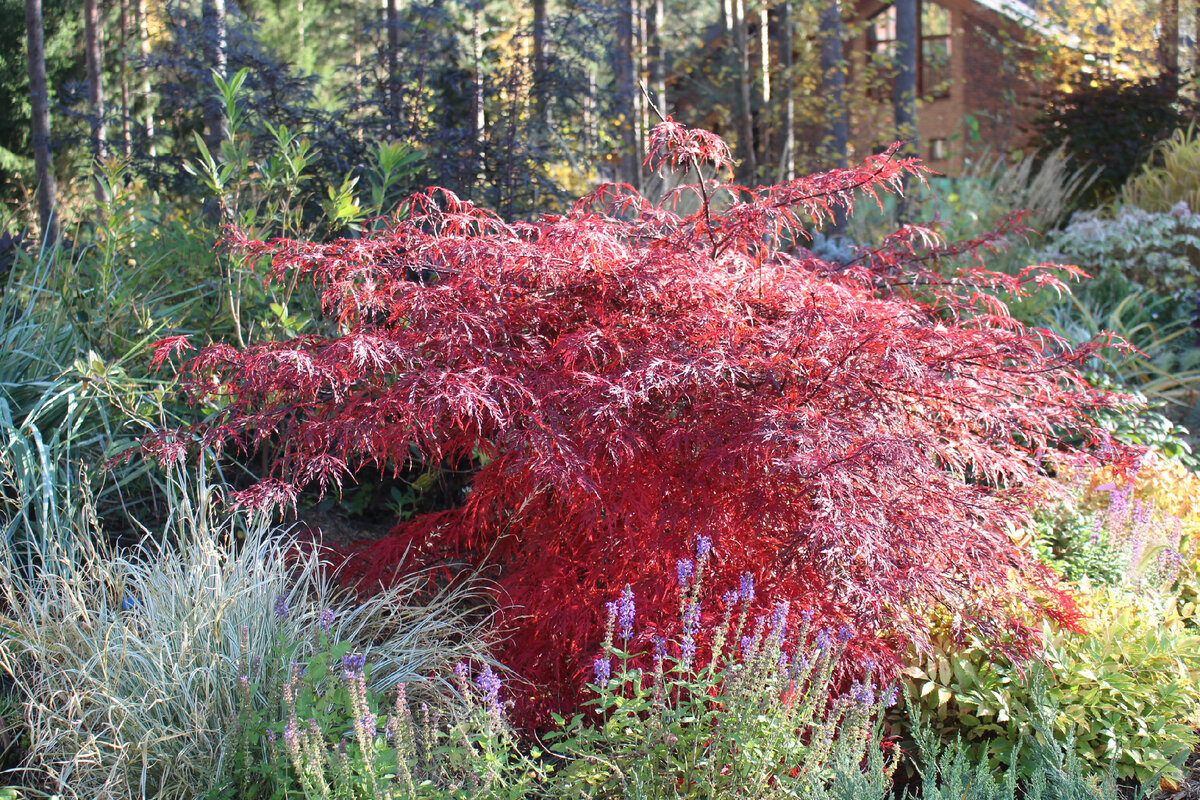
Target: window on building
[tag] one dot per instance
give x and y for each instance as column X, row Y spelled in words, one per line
column 934, row 61
column 933, row 49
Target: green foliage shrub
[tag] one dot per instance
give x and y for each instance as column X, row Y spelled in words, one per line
column 1125, row 693
column 1170, row 176
column 948, row 772
column 128, row 661
column 1111, row 124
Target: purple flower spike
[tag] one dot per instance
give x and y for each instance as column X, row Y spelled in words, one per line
column 822, row 640
column 660, row 647
column 691, row 618
column 687, row 651
column 327, row 619
column 603, row 670
column 844, row 634
column 746, row 588
column 807, row 615
column 354, row 662
column 625, row 613
column 489, row 682
column 684, row 570
column 730, row 598
column 779, row 619
column 703, row 547
column 281, row 608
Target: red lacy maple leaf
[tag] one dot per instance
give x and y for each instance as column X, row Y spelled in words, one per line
column 632, row 375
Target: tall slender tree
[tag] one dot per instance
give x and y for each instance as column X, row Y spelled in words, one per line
column 656, row 57
column 47, row 189
column 147, row 88
column 392, row 61
column 747, row 164
column 93, row 54
column 215, row 45
column 835, row 133
column 787, row 150
column 766, row 118
column 623, row 70
column 123, row 40
column 540, row 84
column 904, row 90
column 1168, row 41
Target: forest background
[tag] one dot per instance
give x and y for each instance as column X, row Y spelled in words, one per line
column 516, row 106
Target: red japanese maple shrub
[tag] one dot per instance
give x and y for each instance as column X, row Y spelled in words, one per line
column 633, row 376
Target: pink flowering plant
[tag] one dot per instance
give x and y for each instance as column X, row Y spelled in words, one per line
column 339, row 738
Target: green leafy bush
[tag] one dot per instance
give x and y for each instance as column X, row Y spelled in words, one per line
column 1125, row 693
column 1160, row 361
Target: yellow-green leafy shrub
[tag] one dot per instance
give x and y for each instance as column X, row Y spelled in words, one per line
column 1171, row 175
column 1127, row 692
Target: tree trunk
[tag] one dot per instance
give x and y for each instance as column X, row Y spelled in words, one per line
column 392, row 93
column 540, row 89
column 766, row 118
column 1196, row 41
column 124, row 41
column 147, row 89
column 904, row 92
column 478, row 121
column 43, row 160
column 641, row 113
column 748, row 166
column 95, row 79
column 1168, row 41
column 657, row 65
column 787, row 156
column 589, row 102
column 213, row 20
column 630, row 169
column 836, row 132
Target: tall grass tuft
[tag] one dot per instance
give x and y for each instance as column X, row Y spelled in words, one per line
column 128, row 661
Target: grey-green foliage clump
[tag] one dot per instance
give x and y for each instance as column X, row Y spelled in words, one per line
column 1157, row 250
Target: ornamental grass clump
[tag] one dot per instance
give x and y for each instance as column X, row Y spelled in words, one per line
column 626, row 375
column 132, row 666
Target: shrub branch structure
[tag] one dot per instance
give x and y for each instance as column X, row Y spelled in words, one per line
column 629, row 375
